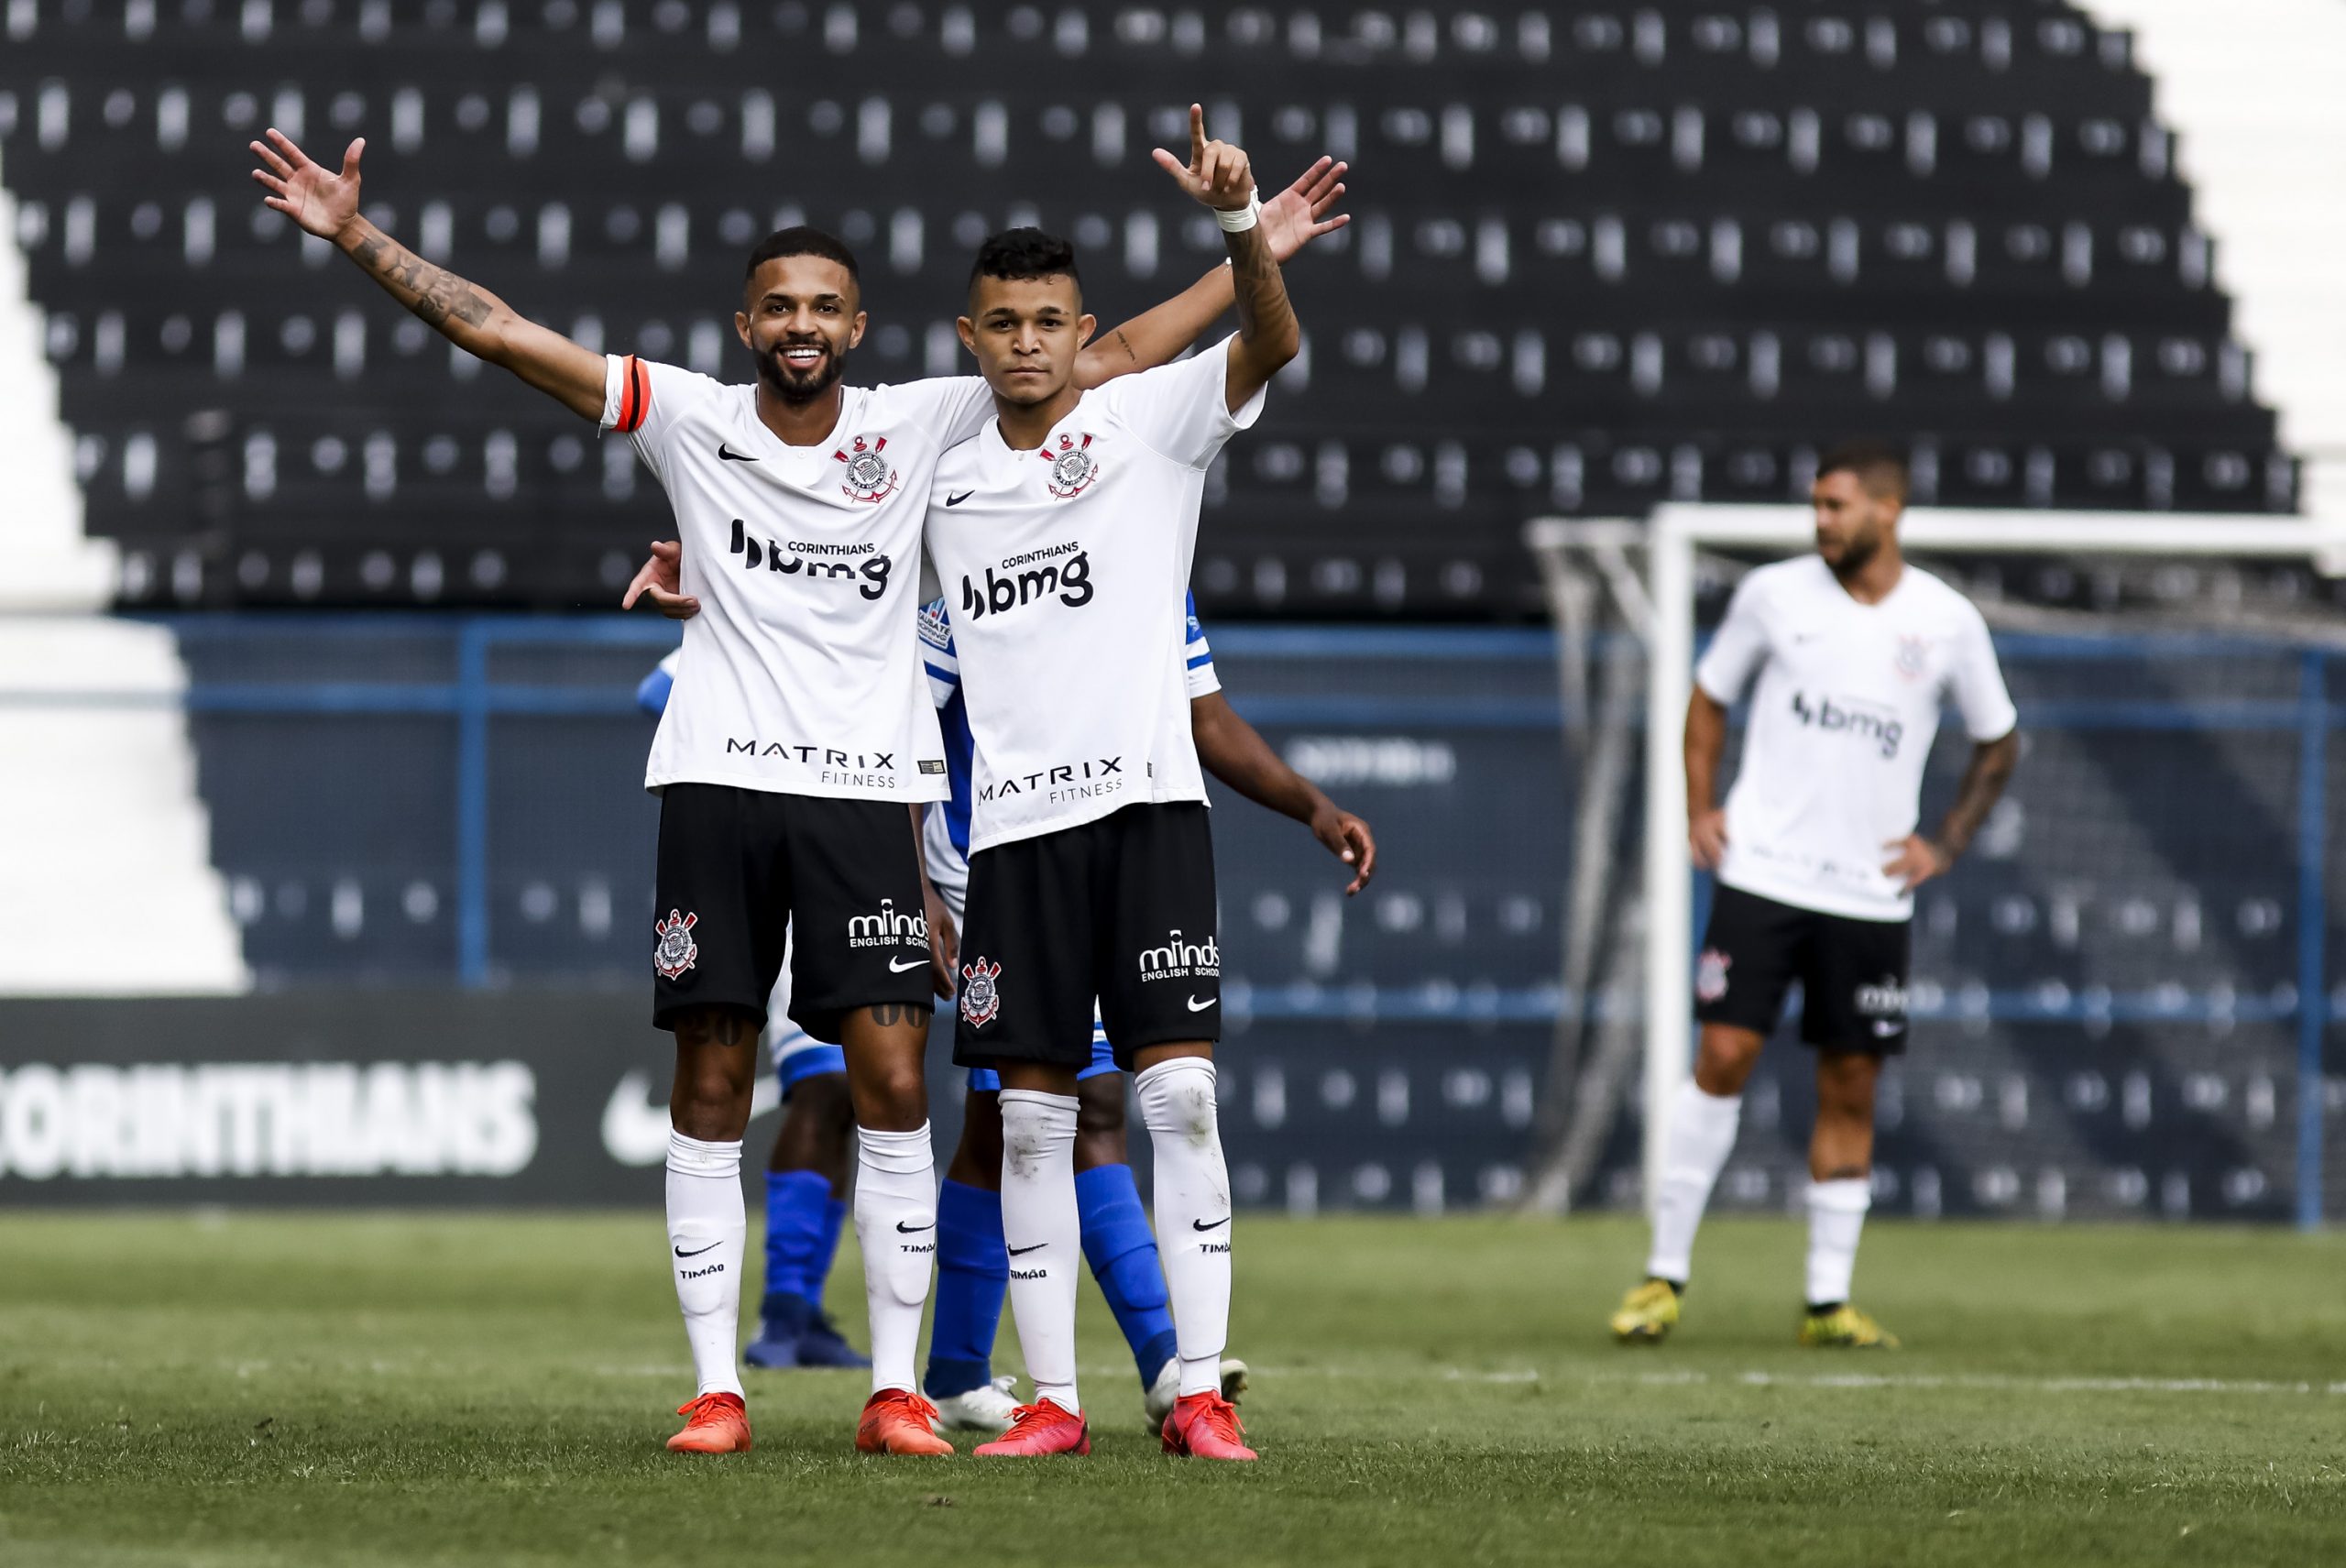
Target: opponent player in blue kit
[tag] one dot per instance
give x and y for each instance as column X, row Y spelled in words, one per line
column 804, row 1204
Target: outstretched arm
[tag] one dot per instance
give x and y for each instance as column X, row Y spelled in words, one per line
column 1291, row 220
column 325, row 203
column 1235, row 752
column 1218, row 175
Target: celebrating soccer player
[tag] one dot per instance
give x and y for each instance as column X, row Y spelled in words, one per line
column 1062, row 533
column 1817, row 856
column 795, row 737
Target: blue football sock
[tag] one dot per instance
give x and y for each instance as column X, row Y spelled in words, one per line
column 827, row 1248
column 972, row 1274
column 1123, row 1254
column 796, row 1202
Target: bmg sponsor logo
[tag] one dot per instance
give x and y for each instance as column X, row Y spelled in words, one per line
column 858, row 563
column 1175, row 958
column 1063, row 570
column 1832, row 718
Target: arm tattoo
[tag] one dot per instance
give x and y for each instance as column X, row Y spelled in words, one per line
column 1262, row 306
column 1983, row 783
column 1126, row 344
column 437, row 293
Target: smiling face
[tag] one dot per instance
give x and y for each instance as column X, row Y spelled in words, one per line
column 1026, row 334
column 800, row 316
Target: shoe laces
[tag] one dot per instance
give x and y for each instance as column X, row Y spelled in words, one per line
column 1041, row 1413
column 706, row 1407
column 1222, row 1416
column 916, row 1407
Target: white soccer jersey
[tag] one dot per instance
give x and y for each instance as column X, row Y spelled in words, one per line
column 1063, row 570
column 1842, row 721
column 800, row 675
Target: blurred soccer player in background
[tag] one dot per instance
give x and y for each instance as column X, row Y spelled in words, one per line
column 1853, row 653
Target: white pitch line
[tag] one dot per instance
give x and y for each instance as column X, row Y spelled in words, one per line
column 1989, row 1382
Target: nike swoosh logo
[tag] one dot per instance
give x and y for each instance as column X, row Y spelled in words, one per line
column 896, row 968
column 1023, row 1251
column 729, row 456
column 909, row 1230
column 1202, row 1225
column 698, row 1251
column 957, row 500
column 1198, row 1006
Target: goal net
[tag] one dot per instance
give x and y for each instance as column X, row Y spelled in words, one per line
column 2122, row 997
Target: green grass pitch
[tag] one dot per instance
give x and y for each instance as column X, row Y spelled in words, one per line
column 263, row 1390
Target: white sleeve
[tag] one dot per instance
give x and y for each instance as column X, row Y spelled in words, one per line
column 1736, row 651
column 642, row 401
column 1977, row 683
column 938, row 662
column 950, row 407
column 1197, row 653
column 1182, row 411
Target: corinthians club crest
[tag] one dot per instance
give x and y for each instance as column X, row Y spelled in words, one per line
column 870, row 476
column 979, row 1000
column 675, row 951
column 1072, row 465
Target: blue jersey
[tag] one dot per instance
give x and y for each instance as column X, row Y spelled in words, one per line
column 953, row 714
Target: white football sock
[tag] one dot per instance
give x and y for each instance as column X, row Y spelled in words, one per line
column 1044, row 1234
column 1837, row 1214
column 1193, row 1222
column 895, row 1225
column 1695, row 1148
column 706, row 1226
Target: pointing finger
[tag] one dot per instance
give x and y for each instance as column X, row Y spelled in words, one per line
column 1171, row 165
column 1197, row 133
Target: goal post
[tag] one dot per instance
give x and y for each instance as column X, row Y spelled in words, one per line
column 1669, row 544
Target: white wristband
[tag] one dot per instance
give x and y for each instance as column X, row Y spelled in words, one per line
column 1244, row 218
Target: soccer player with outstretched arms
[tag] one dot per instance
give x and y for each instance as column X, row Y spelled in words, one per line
column 795, row 739
column 1062, row 532
column 1849, row 656
column 808, row 1166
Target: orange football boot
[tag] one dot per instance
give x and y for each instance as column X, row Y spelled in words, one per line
column 897, row 1420
column 1206, row 1426
column 714, row 1423
column 1037, row 1429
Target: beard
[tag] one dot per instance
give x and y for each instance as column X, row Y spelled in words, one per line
column 798, row 387
column 1855, row 556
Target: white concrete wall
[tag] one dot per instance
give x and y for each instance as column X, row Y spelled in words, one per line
column 2255, row 90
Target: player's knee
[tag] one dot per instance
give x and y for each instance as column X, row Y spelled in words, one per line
column 893, row 1097
column 1100, row 1106
column 1027, row 1129
column 1177, row 1100
column 1723, row 1063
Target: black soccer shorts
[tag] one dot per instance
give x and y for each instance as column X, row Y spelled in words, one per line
column 1121, row 909
column 1852, row 973
column 739, row 868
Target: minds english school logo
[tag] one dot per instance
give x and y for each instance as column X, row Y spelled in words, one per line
column 675, row 952
column 889, row 929
column 980, row 1001
column 1073, row 468
column 870, row 476
column 1176, row 959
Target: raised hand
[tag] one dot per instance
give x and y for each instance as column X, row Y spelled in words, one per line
column 661, row 577
column 321, row 203
column 1217, row 173
column 1299, row 214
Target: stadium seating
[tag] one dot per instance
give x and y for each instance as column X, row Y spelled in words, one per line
column 1602, row 255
